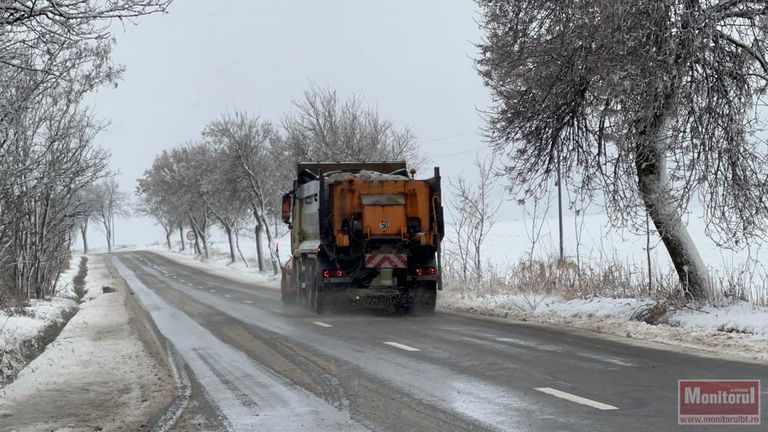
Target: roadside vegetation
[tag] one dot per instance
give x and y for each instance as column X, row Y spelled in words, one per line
column 78, row 282
column 25, row 330
column 52, row 54
column 591, row 271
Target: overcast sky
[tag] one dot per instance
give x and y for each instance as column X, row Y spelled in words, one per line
column 411, row 60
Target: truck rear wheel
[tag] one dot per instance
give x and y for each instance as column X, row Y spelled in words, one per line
column 305, row 283
column 313, row 290
column 424, row 300
column 289, row 299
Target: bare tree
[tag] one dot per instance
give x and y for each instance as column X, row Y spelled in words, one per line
column 87, row 207
column 186, row 176
column 474, row 213
column 177, row 190
column 323, row 127
column 48, row 160
column 52, row 53
column 534, row 218
column 649, row 101
column 110, row 202
column 257, row 156
column 154, row 198
column 225, row 197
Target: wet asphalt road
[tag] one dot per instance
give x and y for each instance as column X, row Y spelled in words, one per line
column 255, row 365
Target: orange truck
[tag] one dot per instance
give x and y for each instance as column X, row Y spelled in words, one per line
column 363, row 231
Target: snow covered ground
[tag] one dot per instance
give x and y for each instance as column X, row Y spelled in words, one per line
column 739, row 330
column 20, row 328
column 735, row 321
column 98, row 357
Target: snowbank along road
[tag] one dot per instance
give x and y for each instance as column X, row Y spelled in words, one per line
column 255, row 365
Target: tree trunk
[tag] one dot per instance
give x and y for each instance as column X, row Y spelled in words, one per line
column 204, row 236
column 270, row 245
column 200, row 235
column 105, row 222
column 112, row 228
column 259, row 251
column 239, row 251
column 168, row 234
column 197, row 237
column 231, row 239
column 84, row 235
column 108, row 235
column 181, row 237
column 650, row 160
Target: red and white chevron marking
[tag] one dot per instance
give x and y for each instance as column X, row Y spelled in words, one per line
column 375, row 260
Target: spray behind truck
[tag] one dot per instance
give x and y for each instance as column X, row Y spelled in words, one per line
column 363, row 231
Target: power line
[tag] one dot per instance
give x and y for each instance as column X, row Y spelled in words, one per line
column 473, row 150
column 458, row 135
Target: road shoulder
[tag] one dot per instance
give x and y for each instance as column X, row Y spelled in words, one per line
column 105, row 371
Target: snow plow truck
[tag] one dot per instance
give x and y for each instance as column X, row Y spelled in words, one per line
column 363, row 232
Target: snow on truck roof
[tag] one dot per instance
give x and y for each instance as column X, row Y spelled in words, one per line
column 320, row 168
column 339, row 176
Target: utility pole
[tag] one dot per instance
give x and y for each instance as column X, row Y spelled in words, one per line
column 560, row 203
column 648, row 252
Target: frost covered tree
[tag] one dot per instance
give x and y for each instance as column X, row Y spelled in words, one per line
column 48, row 159
column 87, row 206
column 109, row 202
column 225, row 197
column 651, row 102
column 52, row 53
column 154, row 200
column 184, row 183
column 255, row 161
column 324, row 127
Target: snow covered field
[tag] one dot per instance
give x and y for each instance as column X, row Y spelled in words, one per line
column 597, row 243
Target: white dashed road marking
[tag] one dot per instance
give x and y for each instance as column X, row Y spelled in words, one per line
column 227, row 296
column 247, row 301
column 321, row 324
column 213, row 290
column 401, row 346
column 576, row 399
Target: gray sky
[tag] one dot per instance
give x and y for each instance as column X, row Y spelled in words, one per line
column 412, row 60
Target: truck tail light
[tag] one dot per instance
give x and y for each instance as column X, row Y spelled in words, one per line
column 332, row 273
column 426, row 271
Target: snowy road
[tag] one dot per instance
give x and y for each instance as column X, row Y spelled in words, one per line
column 257, row 366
